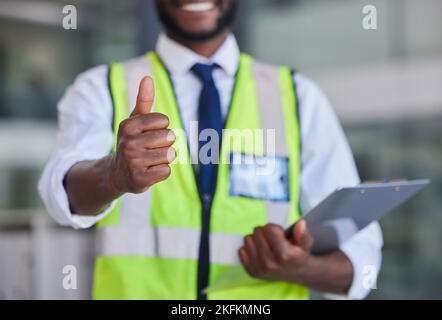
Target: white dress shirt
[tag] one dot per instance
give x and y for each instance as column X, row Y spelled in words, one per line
column 85, row 133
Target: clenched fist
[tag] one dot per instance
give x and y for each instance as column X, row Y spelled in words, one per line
column 268, row 255
column 144, row 143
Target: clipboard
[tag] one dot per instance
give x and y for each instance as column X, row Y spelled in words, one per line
column 349, row 210
column 336, row 219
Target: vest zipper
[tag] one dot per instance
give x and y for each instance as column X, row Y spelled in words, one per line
column 204, row 249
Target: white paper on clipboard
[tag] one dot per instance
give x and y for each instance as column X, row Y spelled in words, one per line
column 337, row 218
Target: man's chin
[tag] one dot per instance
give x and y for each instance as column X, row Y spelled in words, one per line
column 197, row 35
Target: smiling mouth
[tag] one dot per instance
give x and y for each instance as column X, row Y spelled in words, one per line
column 198, row 6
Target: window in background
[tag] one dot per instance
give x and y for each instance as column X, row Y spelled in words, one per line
column 39, row 59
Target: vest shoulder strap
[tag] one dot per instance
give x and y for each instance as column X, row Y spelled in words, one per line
column 269, row 93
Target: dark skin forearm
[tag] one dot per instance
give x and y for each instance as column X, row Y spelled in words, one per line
column 89, row 186
column 331, row 273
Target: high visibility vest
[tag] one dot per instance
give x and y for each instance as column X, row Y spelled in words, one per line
column 148, row 246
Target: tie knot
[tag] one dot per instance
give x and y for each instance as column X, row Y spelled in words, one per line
column 204, row 71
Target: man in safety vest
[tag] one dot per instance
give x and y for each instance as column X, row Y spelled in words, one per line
column 193, row 159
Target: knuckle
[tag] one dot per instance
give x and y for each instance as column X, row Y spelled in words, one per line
column 284, row 257
column 269, row 265
column 257, row 230
column 248, row 239
column 127, row 145
column 131, row 144
column 122, row 144
column 164, row 118
column 160, row 118
column 124, row 126
column 274, row 228
column 296, row 258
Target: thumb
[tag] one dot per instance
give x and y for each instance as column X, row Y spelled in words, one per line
column 302, row 236
column 145, row 98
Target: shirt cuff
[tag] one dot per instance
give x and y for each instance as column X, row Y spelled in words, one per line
column 365, row 271
column 85, row 222
column 60, row 207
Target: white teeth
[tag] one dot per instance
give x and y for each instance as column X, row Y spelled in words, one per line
column 198, row 6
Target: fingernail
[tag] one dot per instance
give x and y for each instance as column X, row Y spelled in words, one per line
column 171, row 136
column 171, row 155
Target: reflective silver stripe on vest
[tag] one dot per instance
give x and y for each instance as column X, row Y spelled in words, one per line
column 135, row 209
column 272, row 118
column 164, row 242
column 224, row 248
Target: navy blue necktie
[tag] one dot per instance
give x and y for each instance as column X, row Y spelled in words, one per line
column 209, row 117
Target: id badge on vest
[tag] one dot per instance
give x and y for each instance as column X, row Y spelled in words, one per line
column 259, row 177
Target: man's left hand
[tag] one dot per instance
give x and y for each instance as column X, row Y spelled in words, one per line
column 268, row 255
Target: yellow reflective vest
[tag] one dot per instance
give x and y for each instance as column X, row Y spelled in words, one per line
column 148, row 246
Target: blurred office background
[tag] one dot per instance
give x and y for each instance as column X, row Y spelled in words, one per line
column 386, row 85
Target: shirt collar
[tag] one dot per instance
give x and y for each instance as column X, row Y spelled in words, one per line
column 179, row 59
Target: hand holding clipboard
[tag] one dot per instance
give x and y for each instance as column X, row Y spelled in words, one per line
column 337, row 218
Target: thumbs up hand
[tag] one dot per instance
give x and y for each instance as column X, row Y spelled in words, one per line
column 144, row 149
